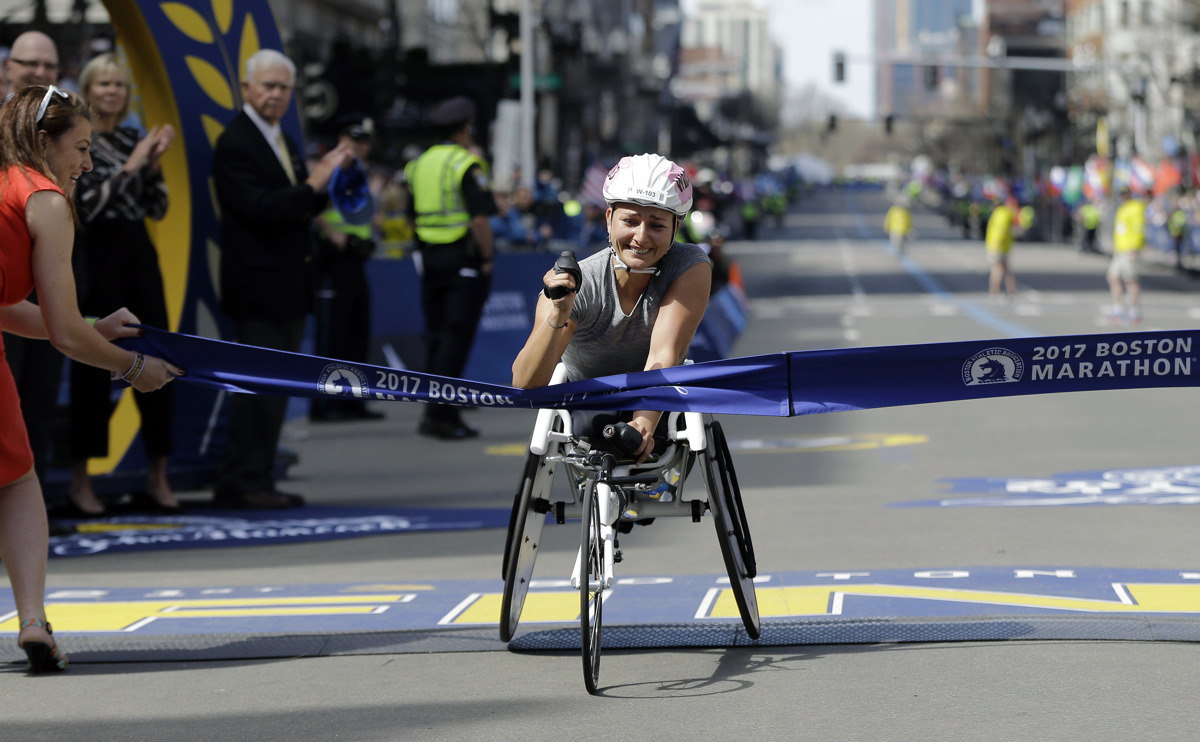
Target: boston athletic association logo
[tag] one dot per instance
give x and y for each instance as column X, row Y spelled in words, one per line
column 993, row 366
column 342, row 380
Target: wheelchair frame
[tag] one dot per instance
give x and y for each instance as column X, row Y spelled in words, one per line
column 603, row 489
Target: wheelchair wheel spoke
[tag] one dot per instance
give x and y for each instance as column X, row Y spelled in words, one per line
column 732, row 530
column 524, row 536
column 591, row 588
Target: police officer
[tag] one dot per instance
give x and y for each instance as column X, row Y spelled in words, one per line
column 343, row 299
column 451, row 206
column 1177, row 225
column 1089, row 219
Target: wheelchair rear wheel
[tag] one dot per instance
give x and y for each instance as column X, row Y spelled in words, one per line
column 591, row 587
column 733, row 532
column 524, row 535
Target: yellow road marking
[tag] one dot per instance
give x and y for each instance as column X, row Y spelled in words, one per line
column 382, row 588
column 854, row 442
column 117, row 527
column 508, row 449
column 133, row 614
column 822, row 600
column 539, row 608
column 847, row 443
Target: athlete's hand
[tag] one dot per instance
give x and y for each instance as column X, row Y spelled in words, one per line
column 562, row 305
column 155, row 374
column 115, row 325
column 645, row 422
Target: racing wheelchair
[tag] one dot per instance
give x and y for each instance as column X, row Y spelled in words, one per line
column 609, row 492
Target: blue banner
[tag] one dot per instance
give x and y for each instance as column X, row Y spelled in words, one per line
column 778, row 384
column 216, row 528
column 866, row 378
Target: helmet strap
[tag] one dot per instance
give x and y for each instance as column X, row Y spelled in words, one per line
column 621, row 263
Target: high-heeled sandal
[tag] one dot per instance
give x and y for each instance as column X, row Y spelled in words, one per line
column 42, row 657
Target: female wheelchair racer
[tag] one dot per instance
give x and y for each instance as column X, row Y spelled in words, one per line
column 633, row 307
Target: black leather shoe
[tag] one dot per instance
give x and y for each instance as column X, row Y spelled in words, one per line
column 447, row 430
column 261, row 500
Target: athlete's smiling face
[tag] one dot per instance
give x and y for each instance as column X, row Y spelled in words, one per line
column 641, row 234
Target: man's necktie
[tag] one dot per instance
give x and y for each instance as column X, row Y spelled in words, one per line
column 285, row 157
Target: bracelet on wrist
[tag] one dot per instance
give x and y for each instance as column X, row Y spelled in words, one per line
column 557, row 327
column 135, row 370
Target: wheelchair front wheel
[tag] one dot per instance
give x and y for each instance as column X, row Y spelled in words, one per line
column 591, row 587
column 524, row 535
column 733, row 532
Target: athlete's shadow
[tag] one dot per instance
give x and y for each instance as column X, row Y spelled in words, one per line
column 727, row 676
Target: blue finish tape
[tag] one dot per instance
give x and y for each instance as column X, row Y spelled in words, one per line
column 777, row 384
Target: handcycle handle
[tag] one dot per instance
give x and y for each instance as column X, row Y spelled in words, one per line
column 566, row 263
column 624, row 437
column 633, row 479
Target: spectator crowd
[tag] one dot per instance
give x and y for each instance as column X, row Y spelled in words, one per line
column 288, row 251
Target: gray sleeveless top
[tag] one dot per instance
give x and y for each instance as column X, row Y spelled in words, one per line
column 606, row 340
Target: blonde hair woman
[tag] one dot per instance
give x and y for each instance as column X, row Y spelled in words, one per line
column 123, row 189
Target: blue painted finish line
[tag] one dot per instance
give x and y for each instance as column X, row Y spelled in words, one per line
column 1163, row 485
column 214, row 528
column 688, row 599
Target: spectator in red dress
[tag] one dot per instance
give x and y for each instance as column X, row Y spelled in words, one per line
column 45, row 135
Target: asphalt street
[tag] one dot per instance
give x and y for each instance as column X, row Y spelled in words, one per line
column 824, row 279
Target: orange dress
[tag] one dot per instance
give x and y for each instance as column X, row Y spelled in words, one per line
column 16, row 283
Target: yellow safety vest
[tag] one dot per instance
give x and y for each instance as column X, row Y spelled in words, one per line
column 1129, row 234
column 897, row 221
column 335, row 222
column 436, row 182
column 999, row 237
column 1090, row 216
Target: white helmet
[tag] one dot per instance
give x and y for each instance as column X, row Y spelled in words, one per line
column 649, row 180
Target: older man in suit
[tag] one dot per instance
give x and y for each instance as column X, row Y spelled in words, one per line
column 268, row 200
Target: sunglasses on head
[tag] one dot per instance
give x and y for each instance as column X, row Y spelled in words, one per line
column 50, row 92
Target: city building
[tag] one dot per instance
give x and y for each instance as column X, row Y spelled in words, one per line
column 603, row 70
column 727, row 50
column 1148, row 89
column 928, row 29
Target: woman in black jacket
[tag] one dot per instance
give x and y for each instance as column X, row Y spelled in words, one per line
column 124, row 188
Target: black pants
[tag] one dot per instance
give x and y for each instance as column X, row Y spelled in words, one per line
column 343, row 318
column 453, row 304
column 122, row 270
column 1089, row 241
column 37, row 368
column 255, row 419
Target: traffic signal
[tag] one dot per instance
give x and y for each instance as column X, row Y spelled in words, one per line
column 833, row 122
column 839, row 67
column 888, row 122
column 931, row 77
